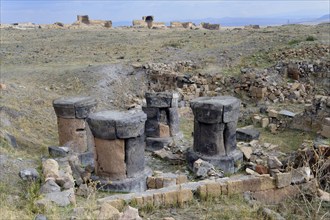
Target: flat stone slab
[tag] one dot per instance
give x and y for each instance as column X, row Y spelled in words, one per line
column 74, row 107
column 229, row 164
column 247, row 134
column 138, row 183
column 161, row 99
column 219, row 109
column 154, row 144
column 287, row 113
column 111, row 125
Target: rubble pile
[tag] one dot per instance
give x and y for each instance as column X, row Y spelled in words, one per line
column 293, row 82
column 308, row 51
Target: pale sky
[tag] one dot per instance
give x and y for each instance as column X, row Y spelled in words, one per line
column 50, row 11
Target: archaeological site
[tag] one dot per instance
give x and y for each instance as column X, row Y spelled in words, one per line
column 164, row 120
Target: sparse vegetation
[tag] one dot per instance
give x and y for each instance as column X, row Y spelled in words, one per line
column 57, row 63
column 310, row 38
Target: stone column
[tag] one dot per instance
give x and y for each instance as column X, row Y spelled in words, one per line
column 215, row 132
column 73, row 130
column 162, row 125
column 119, row 150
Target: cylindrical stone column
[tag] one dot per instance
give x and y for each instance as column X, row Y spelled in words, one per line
column 119, row 150
column 73, row 131
column 215, row 131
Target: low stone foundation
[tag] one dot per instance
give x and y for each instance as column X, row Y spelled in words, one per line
column 261, row 188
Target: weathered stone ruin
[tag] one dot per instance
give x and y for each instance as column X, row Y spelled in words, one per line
column 73, row 131
column 119, row 150
column 210, row 26
column 162, row 123
column 84, row 20
column 215, row 132
column 148, row 21
column 252, row 26
column 177, row 24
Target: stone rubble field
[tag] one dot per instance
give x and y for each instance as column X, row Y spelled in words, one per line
column 281, row 76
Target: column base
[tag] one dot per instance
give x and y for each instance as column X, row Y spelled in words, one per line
column 134, row 184
column 158, row 143
column 229, row 164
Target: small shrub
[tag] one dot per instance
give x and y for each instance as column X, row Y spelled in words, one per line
column 310, row 38
column 294, row 42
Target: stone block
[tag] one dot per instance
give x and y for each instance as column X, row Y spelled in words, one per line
column 137, row 183
column 206, row 112
column 325, row 132
column 251, row 184
column 274, row 163
column 264, row 122
column 151, row 182
column 134, row 155
column 273, row 128
column 326, row 121
column 116, row 203
column 158, row 199
column 224, row 188
column 247, row 134
column 154, row 144
column 247, row 151
column 110, row 125
column 175, row 100
column 213, row 189
column 283, row 179
column 202, row 191
column 131, row 124
column 174, row 121
column 137, row 201
column 300, row 175
column 261, row 169
column 185, row 195
column 229, row 137
column 164, row 130
column 275, row 196
column 169, row 182
column 272, row 113
column 110, row 158
column 267, row 183
column 159, row 99
column 235, row 187
column 50, row 169
column 72, row 132
column 171, row 198
column 55, row 151
column 151, row 112
column 148, row 199
column 63, row 198
column 152, row 128
column 159, row 182
column 107, row 211
column 163, row 116
column 101, row 126
column 74, row 107
column 229, row 163
column 181, row 179
column 208, row 139
column 87, row 159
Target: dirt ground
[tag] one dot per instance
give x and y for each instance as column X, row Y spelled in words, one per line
column 38, row 66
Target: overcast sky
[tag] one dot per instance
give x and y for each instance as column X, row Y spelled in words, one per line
column 50, row 11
